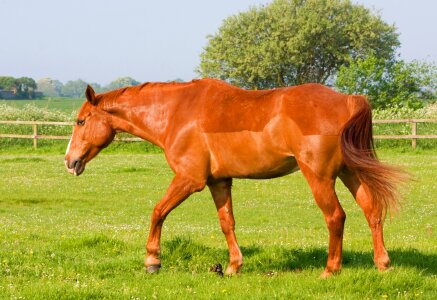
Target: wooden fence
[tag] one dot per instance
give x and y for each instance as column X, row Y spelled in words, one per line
column 35, row 136
column 413, row 136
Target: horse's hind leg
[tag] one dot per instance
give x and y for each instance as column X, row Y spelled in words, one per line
column 322, row 188
column 221, row 193
column 180, row 188
column 374, row 215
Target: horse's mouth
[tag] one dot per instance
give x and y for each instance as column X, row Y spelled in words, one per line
column 76, row 167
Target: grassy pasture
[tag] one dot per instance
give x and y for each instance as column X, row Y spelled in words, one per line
column 66, row 105
column 64, row 237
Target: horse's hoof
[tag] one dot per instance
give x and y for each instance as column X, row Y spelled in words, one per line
column 383, row 265
column 385, row 269
column 231, row 272
column 326, row 274
column 153, row 269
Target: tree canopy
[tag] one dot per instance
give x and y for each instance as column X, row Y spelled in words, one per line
column 120, row 83
column 50, row 87
column 26, row 87
column 74, row 88
column 390, row 83
column 23, row 87
column 7, row 83
column 291, row 42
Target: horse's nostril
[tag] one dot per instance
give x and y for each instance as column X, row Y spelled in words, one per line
column 77, row 167
column 72, row 164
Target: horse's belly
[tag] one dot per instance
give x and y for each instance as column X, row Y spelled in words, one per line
column 248, row 154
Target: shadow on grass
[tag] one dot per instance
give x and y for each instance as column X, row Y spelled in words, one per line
column 296, row 259
column 183, row 253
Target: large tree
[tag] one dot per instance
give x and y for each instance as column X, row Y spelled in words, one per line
column 294, row 41
column 50, row 87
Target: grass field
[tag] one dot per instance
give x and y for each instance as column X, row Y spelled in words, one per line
column 66, row 105
column 64, row 237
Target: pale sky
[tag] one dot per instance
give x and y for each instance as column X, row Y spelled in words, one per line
column 101, row 40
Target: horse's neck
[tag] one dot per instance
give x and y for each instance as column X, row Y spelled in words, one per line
column 143, row 114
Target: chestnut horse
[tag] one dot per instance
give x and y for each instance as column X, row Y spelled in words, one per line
column 212, row 132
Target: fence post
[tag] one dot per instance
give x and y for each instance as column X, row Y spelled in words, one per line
column 35, row 136
column 414, row 133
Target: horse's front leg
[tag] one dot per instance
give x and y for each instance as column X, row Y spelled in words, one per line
column 180, row 188
column 221, row 193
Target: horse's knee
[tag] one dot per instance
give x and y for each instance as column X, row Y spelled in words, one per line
column 375, row 222
column 340, row 216
column 336, row 221
column 158, row 215
column 194, row 185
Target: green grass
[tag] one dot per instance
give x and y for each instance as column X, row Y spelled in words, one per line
column 66, row 105
column 65, row 237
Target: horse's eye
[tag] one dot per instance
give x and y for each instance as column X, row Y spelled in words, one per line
column 80, row 122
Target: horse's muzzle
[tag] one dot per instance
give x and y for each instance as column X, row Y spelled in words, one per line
column 75, row 167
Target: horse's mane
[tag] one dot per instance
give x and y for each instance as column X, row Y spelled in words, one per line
column 133, row 90
column 111, row 96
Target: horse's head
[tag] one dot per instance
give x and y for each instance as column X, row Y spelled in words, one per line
column 91, row 133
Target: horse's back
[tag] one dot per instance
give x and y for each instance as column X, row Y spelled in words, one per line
column 316, row 109
column 226, row 108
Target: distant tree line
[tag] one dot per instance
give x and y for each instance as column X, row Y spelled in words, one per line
column 18, row 88
column 28, row 88
column 75, row 88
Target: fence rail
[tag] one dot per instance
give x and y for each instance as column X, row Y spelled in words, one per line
column 35, row 136
column 413, row 136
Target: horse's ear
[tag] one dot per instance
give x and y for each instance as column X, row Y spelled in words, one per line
column 90, row 95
